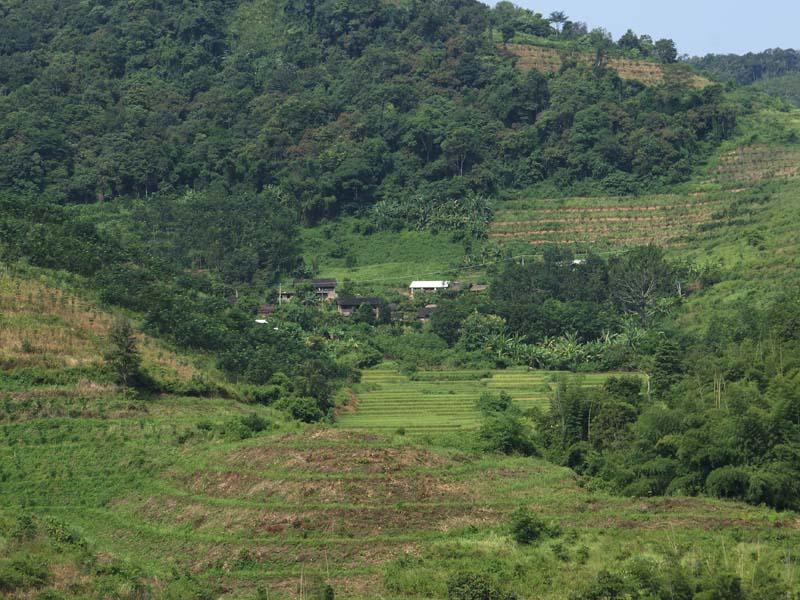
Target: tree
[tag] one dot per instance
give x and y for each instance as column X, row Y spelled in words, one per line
column 639, row 277
column 478, row 329
column 123, row 356
column 558, row 18
column 666, row 51
column 460, row 144
column 506, row 434
column 629, row 41
column 666, row 368
column 507, row 30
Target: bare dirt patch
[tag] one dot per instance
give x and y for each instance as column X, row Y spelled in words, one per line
column 341, row 458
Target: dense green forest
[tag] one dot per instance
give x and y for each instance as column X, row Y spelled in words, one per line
column 338, row 104
column 751, row 67
column 776, row 71
column 176, row 166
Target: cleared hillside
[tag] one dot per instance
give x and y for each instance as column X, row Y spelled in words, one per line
column 663, row 219
column 550, row 60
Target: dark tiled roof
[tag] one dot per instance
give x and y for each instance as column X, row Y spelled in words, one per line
column 324, row 283
column 356, row 301
column 425, row 313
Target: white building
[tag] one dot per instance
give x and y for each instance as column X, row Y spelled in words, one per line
column 428, row 287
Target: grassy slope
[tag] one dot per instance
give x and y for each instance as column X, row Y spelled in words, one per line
column 381, row 259
column 758, row 252
column 130, row 493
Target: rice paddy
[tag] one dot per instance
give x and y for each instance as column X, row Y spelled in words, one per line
column 434, row 402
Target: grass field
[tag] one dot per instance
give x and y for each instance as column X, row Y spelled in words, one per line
column 440, row 401
column 287, row 510
column 381, row 259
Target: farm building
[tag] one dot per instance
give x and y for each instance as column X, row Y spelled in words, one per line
column 424, row 314
column 347, row 305
column 428, row 287
column 478, row 287
column 286, row 295
column 325, row 289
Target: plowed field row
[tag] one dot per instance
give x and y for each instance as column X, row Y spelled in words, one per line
column 550, row 60
column 662, row 219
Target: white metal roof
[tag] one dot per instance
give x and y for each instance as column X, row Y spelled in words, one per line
column 426, row 285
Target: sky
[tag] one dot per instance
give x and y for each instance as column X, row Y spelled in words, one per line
column 697, row 26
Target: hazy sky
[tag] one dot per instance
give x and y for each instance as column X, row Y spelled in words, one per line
column 697, row 26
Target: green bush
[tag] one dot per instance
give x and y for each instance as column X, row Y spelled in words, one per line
column 23, row 572
column 505, row 434
column 723, row 586
column 245, row 427
column 527, row 527
column 728, row 482
column 303, row 409
column 255, row 423
column 490, row 403
column 475, row 586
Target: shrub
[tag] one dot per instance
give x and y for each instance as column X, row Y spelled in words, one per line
column 605, row 586
column 578, row 457
column 475, row 586
column 489, row 403
column 506, row 434
column 23, row 572
column 527, row 527
column 723, row 586
column 255, row 423
column 728, row 482
column 303, row 409
column 777, row 488
column 186, row 588
column 244, row 427
column 25, row 528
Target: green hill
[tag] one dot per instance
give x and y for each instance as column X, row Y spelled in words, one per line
column 176, row 496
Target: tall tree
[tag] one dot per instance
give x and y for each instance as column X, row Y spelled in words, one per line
column 123, row 356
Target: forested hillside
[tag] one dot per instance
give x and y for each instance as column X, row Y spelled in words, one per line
column 751, row 67
column 340, row 104
column 776, row 71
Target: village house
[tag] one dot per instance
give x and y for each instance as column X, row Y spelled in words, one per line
column 325, row 289
column 347, row 305
column 428, row 287
column 424, row 314
column 286, row 295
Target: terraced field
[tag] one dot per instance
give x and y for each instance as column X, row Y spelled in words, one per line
column 440, row 401
column 615, row 220
column 550, row 60
column 750, row 164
